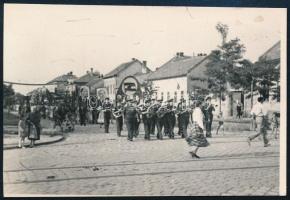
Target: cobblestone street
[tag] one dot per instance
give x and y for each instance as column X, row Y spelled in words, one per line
column 90, row 162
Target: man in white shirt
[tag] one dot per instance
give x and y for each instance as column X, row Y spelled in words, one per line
column 260, row 113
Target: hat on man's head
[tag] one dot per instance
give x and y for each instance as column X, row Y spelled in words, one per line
column 147, row 101
column 207, row 97
column 107, row 98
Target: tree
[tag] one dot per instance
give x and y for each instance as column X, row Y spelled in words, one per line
column 268, row 76
column 8, row 96
column 223, row 61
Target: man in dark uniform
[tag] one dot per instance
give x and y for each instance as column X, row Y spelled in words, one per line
column 172, row 119
column 183, row 118
column 208, row 109
column 153, row 118
column 169, row 120
column 159, row 121
column 130, row 113
column 107, row 107
column 146, row 119
column 83, row 112
column 118, row 114
column 138, row 117
column 178, row 117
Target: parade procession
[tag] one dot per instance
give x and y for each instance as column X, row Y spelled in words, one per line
column 143, row 101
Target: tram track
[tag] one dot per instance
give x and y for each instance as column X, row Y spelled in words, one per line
column 143, row 174
column 209, row 158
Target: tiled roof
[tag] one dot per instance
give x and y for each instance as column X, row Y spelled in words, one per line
column 176, row 67
column 87, row 78
column 122, row 67
column 119, row 69
column 273, row 53
column 141, row 77
column 63, row 78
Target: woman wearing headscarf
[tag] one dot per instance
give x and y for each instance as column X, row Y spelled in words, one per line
column 34, row 127
column 196, row 137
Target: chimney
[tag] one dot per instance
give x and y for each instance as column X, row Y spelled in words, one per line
column 181, row 54
column 177, row 54
column 88, row 72
column 92, row 69
column 144, row 62
column 133, row 59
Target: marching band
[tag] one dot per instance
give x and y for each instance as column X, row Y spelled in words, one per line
column 155, row 114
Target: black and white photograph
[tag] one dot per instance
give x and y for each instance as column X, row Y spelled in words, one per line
column 103, row 100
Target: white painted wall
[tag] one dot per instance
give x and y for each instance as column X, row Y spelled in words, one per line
column 170, row 85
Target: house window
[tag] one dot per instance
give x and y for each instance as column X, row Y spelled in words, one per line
column 168, row 95
column 162, row 94
column 175, row 97
column 181, row 94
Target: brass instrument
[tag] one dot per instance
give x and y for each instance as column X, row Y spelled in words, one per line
column 162, row 111
column 118, row 113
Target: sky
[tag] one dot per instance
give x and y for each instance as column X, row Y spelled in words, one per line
column 42, row 42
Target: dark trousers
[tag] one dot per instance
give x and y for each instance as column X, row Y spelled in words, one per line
column 208, row 124
column 261, row 130
column 166, row 124
column 136, row 132
column 147, row 127
column 94, row 117
column 183, row 124
column 107, row 118
column 239, row 114
column 171, row 125
column 159, row 124
column 152, row 125
column 119, row 124
column 83, row 119
column 131, row 126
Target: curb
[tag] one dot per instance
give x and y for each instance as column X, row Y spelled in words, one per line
column 38, row 144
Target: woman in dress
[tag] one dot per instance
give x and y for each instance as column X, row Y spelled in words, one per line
column 196, row 137
column 34, row 127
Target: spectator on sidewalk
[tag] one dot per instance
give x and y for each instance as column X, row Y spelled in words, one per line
column 260, row 112
column 275, row 124
column 239, row 110
column 221, row 123
column 34, row 127
column 22, row 133
column 208, row 109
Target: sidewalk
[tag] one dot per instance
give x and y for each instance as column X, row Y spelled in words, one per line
column 11, row 141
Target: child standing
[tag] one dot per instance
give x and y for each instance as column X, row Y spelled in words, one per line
column 221, row 123
column 22, row 134
column 275, row 124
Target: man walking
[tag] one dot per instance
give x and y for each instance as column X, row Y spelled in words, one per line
column 159, row 121
column 118, row 114
column 130, row 113
column 146, row 119
column 183, row 118
column 208, row 109
column 260, row 112
column 170, row 119
column 107, row 107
